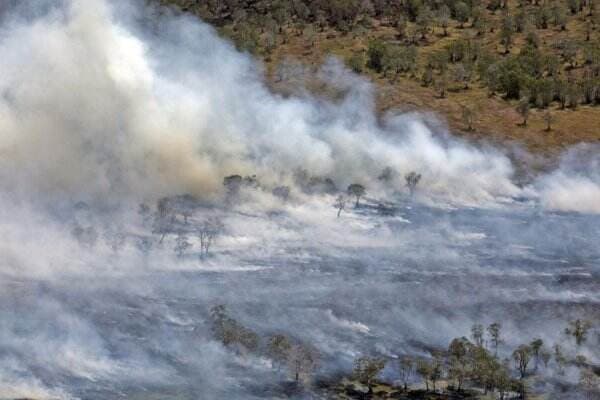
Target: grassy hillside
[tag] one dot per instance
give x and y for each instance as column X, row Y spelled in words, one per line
column 486, row 67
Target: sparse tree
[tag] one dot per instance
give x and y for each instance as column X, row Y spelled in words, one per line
column 357, row 190
column 283, row 192
column 115, row 240
column 589, row 383
column 560, row 358
column 279, row 349
column 232, row 184
column 387, row 174
column 406, row 366
column 443, row 18
column 468, row 116
column 507, row 30
column 230, row 332
column 87, row 236
column 181, row 244
column 376, row 53
column 436, row 370
column 441, row 85
column 458, row 363
column 340, row 204
column 424, row 21
column 545, row 355
column 412, row 180
column 423, row 368
column 366, row 370
column 207, row 232
column 578, row 329
column 522, row 356
column 302, row 361
column 477, row 334
column 548, row 119
column 144, row 244
column 494, row 334
column 357, row 62
column 523, row 110
column 462, row 11
column 536, row 347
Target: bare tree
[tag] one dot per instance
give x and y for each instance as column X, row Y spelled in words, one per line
column 207, row 232
column 357, row 190
column 163, row 219
column 340, row 204
column 181, row 244
column 406, row 367
column 412, row 180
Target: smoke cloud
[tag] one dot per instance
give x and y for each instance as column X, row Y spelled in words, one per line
column 105, row 105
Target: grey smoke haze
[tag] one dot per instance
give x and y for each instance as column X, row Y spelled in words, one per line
column 112, row 104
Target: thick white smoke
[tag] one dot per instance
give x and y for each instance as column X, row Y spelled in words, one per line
column 110, row 103
column 92, row 107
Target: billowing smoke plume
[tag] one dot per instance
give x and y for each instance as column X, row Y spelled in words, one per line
column 95, row 106
column 104, row 105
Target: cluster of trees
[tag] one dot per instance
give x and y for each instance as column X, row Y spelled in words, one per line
column 171, row 217
column 300, row 359
column 476, row 362
column 496, row 44
column 467, row 363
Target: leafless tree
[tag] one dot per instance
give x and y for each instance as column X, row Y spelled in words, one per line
column 163, row 219
column 340, row 204
column 406, row 367
column 412, row 180
column 207, row 232
column 181, row 244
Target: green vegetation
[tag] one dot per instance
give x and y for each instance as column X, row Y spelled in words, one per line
column 465, row 369
column 508, row 62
